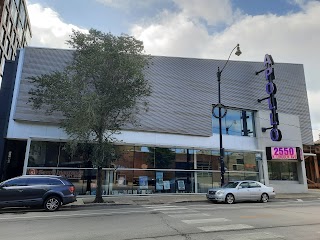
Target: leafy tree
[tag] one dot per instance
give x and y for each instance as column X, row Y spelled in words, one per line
column 98, row 93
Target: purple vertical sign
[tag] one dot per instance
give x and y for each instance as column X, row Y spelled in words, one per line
column 271, row 89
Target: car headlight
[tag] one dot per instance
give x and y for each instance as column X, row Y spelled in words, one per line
column 220, row 192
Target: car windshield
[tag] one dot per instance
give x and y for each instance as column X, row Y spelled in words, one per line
column 230, row 185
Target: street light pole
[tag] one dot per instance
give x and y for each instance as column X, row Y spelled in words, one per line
column 221, row 157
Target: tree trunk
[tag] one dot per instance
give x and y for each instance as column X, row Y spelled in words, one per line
column 99, row 198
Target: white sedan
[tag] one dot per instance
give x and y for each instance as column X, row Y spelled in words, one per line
column 237, row 191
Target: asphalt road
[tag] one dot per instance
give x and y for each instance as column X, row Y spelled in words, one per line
column 292, row 219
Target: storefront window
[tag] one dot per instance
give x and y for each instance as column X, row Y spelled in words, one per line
column 43, row 154
column 241, row 166
column 143, row 169
column 208, row 164
column 59, row 154
column 124, row 156
column 184, row 158
column 144, row 182
column 164, row 158
column 207, row 159
column 250, row 162
column 234, row 161
column 154, row 158
column 282, row 170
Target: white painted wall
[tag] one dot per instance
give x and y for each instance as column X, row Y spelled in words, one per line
column 291, row 137
column 25, row 130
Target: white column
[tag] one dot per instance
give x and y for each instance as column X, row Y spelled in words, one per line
column 26, row 157
column 195, row 173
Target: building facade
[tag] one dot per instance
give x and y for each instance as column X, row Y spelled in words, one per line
column 15, row 31
column 312, row 161
column 176, row 146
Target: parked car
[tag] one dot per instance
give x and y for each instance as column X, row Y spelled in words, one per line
column 237, row 191
column 47, row 191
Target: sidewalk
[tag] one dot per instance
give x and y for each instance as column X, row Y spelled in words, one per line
column 174, row 198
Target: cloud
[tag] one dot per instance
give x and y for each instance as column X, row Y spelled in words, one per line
column 127, row 4
column 116, row 3
column 314, row 100
column 183, row 33
column 300, row 3
column 48, row 29
column 212, row 11
column 292, row 38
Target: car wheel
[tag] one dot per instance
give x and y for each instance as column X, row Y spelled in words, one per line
column 264, row 197
column 230, row 198
column 52, row 203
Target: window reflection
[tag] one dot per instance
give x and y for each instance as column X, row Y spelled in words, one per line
column 208, row 175
column 145, row 169
column 236, row 122
column 233, row 123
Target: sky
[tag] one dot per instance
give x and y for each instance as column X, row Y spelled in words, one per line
column 289, row 30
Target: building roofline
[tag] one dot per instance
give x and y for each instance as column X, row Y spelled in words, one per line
column 177, row 57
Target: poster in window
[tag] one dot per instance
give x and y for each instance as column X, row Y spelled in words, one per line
column 121, row 180
column 166, row 185
column 143, row 182
column 181, row 186
column 159, row 180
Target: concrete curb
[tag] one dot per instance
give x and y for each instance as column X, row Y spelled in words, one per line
column 167, row 199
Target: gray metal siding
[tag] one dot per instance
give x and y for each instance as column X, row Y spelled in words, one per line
column 184, row 89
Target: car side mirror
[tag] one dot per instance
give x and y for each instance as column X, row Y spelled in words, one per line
column 239, row 187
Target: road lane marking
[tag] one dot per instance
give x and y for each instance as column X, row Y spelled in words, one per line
column 9, row 218
column 178, row 212
column 160, row 206
column 187, row 215
column 256, row 216
column 169, row 209
column 225, row 227
column 292, row 203
column 208, row 220
column 299, row 200
column 252, row 236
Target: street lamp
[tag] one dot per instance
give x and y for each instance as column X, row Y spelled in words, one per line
column 222, row 168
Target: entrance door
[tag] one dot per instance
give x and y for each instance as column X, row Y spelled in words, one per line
column 13, row 158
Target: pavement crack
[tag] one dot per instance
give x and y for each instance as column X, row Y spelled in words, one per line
column 186, row 236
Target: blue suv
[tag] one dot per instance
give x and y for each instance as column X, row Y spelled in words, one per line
column 49, row 192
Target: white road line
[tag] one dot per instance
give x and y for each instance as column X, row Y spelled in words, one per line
column 169, row 209
column 208, row 220
column 179, row 212
column 252, row 236
column 51, row 216
column 299, row 200
column 225, row 227
column 160, row 206
column 187, row 215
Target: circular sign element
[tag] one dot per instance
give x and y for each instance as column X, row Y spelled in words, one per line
column 219, row 105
